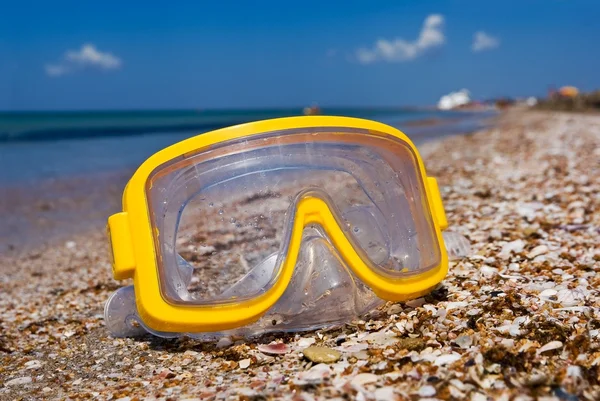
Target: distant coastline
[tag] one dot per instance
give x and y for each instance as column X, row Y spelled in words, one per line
column 52, row 126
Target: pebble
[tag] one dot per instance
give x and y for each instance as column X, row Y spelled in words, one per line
column 411, row 344
column 321, row 354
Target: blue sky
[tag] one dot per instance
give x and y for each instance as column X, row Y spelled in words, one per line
column 276, row 54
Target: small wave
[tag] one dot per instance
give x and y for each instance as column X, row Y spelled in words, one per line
column 53, row 134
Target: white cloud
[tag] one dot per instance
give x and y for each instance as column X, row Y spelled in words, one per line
column 86, row 57
column 89, row 55
column 483, row 41
column 399, row 50
column 55, row 70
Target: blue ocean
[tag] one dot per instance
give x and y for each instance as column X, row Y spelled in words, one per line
column 48, row 145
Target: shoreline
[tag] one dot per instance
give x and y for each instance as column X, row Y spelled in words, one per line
column 56, row 210
column 51, row 211
column 519, row 317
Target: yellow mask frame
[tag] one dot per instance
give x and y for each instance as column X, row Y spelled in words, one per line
column 134, row 255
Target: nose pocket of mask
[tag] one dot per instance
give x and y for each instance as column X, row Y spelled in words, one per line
column 255, row 280
column 322, row 291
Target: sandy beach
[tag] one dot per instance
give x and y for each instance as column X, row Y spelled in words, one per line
column 519, row 319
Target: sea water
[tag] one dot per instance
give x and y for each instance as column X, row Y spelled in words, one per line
column 38, row 146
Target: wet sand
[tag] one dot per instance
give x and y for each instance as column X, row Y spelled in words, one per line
column 518, row 319
column 53, row 211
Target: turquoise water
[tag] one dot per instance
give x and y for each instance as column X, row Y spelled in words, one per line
column 42, row 145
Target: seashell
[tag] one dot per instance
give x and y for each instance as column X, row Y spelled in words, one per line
column 515, row 246
column 456, row 305
column 446, row 359
column 385, row 394
column 427, row 391
column 382, row 338
column 464, row 341
column 568, row 297
column 394, row 309
column 352, row 347
column 415, row 303
column 488, row 271
column 315, row 375
column 552, row 345
column 224, row 342
column 364, row 378
column 274, row 348
column 574, row 371
column 306, row 342
column 537, row 251
column 546, row 294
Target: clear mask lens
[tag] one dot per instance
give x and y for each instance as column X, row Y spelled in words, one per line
column 223, row 216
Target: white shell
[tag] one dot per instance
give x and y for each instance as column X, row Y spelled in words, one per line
column 550, row 346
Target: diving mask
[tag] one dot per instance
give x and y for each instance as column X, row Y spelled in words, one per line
column 280, row 225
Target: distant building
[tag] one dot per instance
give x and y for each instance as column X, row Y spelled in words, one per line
column 568, row 91
column 531, row 101
column 454, row 100
column 563, row 92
